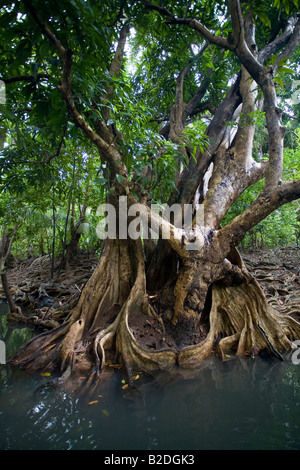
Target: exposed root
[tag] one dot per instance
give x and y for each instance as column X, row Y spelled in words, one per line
column 114, row 307
column 119, row 333
column 71, row 339
column 241, row 320
column 37, row 353
column 103, row 338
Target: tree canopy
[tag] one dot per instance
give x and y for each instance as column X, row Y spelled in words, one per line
column 160, row 102
column 133, row 94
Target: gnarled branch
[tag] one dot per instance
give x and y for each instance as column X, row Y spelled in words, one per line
column 106, row 149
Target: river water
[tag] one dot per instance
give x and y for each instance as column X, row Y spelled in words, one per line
column 248, row 404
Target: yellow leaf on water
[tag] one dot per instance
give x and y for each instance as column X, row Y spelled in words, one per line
column 101, row 396
column 227, row 355
column 123, row 381
column 125, row 386
column 93, row 402
column 136, row 377
column 45, row 374
column 105, row 412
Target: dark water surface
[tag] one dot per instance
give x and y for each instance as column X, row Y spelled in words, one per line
column 240, row 404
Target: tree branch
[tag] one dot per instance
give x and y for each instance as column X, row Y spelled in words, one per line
column 59, row 147
column 264, row 78
column 266, row 203
column 291, row 44
column 45, row 30
column 26, row 78
column 237, row 159
column 192, row 23
column 174, row 236
column 115, row 66
column 240, row 46
column 238, row 43
column 191, row 175
column 277, row 44
column 107, row 150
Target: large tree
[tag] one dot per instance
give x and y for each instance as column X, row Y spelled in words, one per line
column 204, row 74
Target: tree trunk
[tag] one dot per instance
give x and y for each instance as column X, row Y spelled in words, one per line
column 189, row 303
column 71, row 249
column 212, row 306
column 9, row 297
column 6, row 241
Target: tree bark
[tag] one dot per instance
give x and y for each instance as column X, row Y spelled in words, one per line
column 191, row 302
column 8, row 295
column 5, row 251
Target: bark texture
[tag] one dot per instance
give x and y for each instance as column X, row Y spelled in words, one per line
column 117, row 322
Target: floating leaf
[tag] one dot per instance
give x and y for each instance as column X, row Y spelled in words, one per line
column 227, row 355
column 125, row 386
column 93, row 402
column 45, row 374
column 105, row 412
column 123, row 381
column 115, row 366
column 135, row 377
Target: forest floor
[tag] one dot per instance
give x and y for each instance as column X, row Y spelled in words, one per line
column 278, row 272
column 46, row 302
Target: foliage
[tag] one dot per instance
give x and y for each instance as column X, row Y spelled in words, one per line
column 281, row 228
column 46, row 162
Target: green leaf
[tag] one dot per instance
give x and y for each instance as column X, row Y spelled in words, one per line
column 7, row 113
column 286, row 70
column 287, row 6
column 44, row 49
column 120, row 178
column 279, row 81
column 264, row 18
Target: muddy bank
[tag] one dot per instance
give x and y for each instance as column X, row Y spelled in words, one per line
column 44, row 301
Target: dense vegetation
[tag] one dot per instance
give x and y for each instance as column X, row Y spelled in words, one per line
column 49, row 170
column 111, row 98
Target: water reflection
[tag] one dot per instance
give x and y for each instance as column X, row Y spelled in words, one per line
column 240, row 404
column 13, row 335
